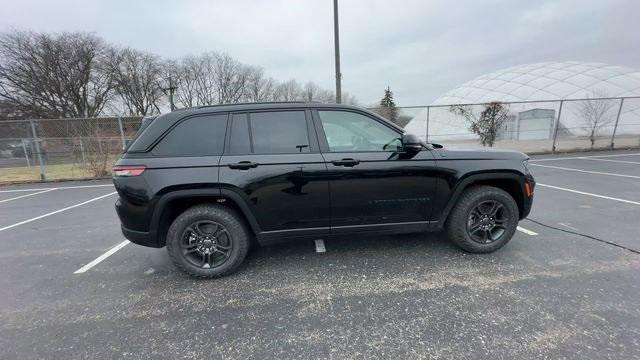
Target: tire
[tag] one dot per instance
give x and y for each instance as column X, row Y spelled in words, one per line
column 472, row 211
column 208, row 232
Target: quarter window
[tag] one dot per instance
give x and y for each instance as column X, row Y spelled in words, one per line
column 279, row 132
column 349, row 131
column 239, row 142
column 197, row 136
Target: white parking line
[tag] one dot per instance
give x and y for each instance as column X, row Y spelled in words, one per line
column 320, row 246
column 99, row 259
column 56, row 188
column 568, row 226
column 589, row 194
column 609, row 160
column 57, row 211
column 585, row 157
column 526, row 231
column 24, row 196
column 587, row 171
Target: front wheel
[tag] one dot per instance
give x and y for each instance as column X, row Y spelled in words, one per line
column 484, row 219
column 208, row 241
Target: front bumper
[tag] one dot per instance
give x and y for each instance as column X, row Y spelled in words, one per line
column 528, row 200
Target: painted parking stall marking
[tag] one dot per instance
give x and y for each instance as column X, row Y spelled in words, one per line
column 57, row 211
column 589, row 194
column 57, row 188
column 611, row 160
column 320, row 248
column 24, row 196
column 587, row 171
column 526, row 231
column 584, row 157
column 100, row 258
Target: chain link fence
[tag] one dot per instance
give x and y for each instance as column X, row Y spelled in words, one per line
column 87, row 148
column 50, row 149
column 532, row 126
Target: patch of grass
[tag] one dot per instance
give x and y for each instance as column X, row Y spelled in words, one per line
column 52, row 172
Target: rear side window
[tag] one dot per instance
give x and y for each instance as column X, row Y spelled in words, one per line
column 279, row 132
column 196, row 136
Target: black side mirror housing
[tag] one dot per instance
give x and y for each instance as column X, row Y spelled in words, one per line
column 411, row 143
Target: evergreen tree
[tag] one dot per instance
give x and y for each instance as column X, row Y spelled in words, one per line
column 388, row 107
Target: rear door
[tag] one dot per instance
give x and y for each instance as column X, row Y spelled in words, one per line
column 372, row 184
column 272, row 160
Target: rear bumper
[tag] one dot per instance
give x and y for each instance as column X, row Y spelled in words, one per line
column 129, row 217
column 140, row 237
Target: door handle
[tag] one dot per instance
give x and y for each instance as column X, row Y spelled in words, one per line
column 243, row 165
column 346, row 162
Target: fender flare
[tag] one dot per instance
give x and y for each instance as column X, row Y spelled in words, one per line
column 210, row 192
column 465, row 182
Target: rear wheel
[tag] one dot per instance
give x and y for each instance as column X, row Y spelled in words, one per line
column 484, row 219
column 208, row 241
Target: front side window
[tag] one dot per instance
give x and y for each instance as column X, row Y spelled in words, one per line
column 349, row 131
column 196, row 136
column 279, row 132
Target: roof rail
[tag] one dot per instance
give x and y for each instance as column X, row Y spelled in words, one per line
column 258, row 103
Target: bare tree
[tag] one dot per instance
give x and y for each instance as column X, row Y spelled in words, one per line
column 137, row 76
column 289, row 91
column 210, row 78
column 488, row 123
column 313, row 92
column 203, row 68
column 595, row 114
column 258, row 88
column 55, row 75
column 230, row 78
column 99, row 150
column 348, row 99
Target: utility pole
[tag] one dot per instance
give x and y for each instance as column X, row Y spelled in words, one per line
column 172, row 88
column 336, row 36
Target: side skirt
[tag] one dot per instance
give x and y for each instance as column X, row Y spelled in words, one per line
column 279, row 236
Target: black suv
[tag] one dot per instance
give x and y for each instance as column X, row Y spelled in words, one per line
column 207, row 182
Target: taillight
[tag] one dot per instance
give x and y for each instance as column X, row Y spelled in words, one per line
column 128, row 170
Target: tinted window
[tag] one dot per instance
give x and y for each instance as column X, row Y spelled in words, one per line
column 349, row 131
column 197, row 136
column 279, row 132
column 239, row 140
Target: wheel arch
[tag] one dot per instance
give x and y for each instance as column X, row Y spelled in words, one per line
column 511, row 182
column 173, row 203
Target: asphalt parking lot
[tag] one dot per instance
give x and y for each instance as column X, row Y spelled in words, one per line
column 566, row 286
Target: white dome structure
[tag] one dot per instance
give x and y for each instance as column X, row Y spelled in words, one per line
column 547, row 81
column 534, row 82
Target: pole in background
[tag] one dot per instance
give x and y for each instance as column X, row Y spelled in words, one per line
column 26, row 154
column 121, row 132
column 615, row 127
column 37, row 142
column 172, row 88
column 336, row 40
column 555, row 130
column 84, row 159
column 428, row 111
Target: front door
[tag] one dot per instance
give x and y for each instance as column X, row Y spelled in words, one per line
column 272, row 161
column 373, row 184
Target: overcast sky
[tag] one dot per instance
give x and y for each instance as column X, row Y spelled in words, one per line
column 420, row 48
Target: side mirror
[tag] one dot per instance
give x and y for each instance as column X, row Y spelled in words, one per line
column 411, row 143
